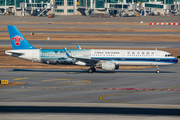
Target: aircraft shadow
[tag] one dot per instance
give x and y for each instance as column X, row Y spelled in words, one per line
column 78, row 71
column 90, row 110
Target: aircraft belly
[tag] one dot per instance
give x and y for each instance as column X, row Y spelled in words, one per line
column 142, row 63
column 48, row 61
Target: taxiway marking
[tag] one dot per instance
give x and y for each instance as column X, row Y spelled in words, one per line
column 27, row 76
column 21, row 78
column 109, row 34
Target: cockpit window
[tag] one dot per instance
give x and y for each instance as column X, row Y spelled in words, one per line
column 168, row 55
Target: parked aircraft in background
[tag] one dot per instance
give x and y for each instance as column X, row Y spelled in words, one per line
column 106, row 59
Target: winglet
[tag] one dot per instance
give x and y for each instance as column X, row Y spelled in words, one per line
column 78, row 46
column 68, row 55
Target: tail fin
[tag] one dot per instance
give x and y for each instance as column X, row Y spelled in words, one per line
column 18, row 41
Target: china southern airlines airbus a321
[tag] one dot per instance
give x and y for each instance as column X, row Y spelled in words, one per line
column 106, row 59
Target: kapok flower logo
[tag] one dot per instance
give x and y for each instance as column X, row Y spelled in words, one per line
column 17, row 40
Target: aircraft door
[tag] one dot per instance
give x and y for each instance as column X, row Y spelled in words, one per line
column 34, row 55
column 157, row 56
column 123, row 56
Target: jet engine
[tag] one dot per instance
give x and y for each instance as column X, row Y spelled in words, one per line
column 108, row 66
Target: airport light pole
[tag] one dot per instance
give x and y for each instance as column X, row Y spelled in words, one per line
column 15, row 7
column 86, row 9
column 94, row 5
column 74, row 6
column 5, row 5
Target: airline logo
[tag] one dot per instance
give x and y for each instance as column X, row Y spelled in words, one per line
column 17, row 39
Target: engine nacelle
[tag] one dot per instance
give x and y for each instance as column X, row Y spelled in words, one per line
column 108, row 66
column 116, row 67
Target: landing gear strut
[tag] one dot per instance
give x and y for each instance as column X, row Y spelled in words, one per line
column 91, row 70
column 157, row 70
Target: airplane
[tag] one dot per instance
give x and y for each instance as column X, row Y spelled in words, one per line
column 106, row 59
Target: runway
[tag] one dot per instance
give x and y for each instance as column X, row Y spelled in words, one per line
column 82, row 19
column 99, row 44
column 94, row 33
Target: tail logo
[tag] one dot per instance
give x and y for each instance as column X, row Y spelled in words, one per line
column 17, row 40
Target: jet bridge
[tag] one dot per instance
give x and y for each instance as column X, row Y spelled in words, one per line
column 120, row 8
column 39, row 9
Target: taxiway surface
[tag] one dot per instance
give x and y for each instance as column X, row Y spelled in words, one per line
column 95, row 33
column 73, row 85
column 83, row 19
column 76, row 94
column 99, row 44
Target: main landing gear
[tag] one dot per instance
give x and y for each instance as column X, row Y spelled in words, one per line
column 91, row 70
column 157, row 70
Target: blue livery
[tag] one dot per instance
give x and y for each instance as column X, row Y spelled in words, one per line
column 18, row 41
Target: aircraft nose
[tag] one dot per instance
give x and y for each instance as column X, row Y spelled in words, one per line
column 175, row 60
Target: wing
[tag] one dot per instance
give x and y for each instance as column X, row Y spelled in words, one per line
column 86, row 60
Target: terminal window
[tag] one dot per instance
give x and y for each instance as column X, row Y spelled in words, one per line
column 112, row 1
column 60, row 2
column 69, row 10
column 100, row 3
column 154, row 6
column 44, row 1
column 82, row 3
column 69, row 2
column 18, row 2
column 9, row 2
column 135, row 1
column 142, row 1
column 168, row 1
column 2, row 2
column 59, row 10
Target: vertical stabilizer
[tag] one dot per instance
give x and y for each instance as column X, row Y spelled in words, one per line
column 18, row 41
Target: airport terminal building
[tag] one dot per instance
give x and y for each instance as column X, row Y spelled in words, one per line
column 39, row 7
column 86, row 7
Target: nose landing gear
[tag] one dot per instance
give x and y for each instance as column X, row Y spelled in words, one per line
column 157, row 70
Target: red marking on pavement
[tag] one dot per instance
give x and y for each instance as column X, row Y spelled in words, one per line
column 164, row 23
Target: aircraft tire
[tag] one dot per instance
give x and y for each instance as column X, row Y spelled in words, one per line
column 157, row 71
column 90, row 70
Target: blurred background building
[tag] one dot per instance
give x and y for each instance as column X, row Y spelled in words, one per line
column 90, row 7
